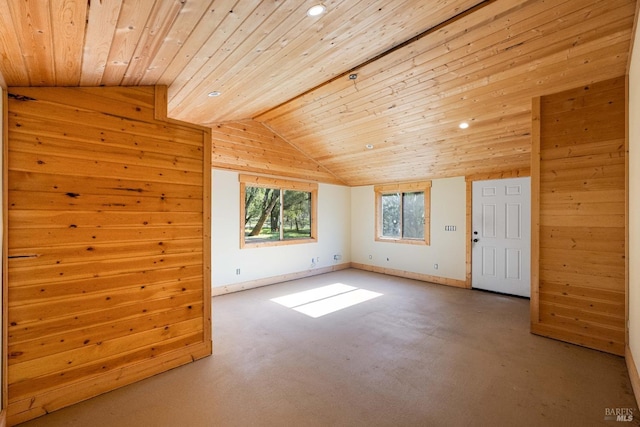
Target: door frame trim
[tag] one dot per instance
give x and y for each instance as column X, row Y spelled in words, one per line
column 534, row 306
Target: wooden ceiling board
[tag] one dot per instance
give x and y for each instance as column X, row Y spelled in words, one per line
column 475, row 77
column 35, row 38
column 484, row 137
column 132, row 19
column 101, row 26
column 153, row 36
column 423, row 66
column 314, row 50
column 69, row 17
column 350, row 34
column 238, row 48
column 437, row 73
column 185, row 34
column 386, row 71
column 279, row 37
column 11, row 58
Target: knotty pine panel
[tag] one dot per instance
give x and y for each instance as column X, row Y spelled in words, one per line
column 32, row 331
column 579, row 163
column 108, row 258
column 49, row 382
column 72, row 339
column 119, row 123
column 33, row 219
column 583, row 239
column 98, row 235
column 66, row 394
column 97, row 136
column 78, row 270
column 249, row 146
column 88, row 185
column 80, row 253
column 586, row 279
column 112, row 154
column 35, row 292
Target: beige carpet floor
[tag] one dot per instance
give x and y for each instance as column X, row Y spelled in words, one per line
column 418, row 355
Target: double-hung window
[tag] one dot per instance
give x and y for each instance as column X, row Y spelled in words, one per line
column 402, row 212
column 277, row 211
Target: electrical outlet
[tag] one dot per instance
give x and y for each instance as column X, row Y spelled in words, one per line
column 435, row 266
column 237, row 271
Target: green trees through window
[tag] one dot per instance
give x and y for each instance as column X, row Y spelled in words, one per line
column 276, row 210
column 403, row 217
column 265, row 220
column 413, row 215
column 402, row 212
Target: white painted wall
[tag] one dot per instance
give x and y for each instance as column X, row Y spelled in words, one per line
column 447, row 249
column 334, row 221
column 634, row 202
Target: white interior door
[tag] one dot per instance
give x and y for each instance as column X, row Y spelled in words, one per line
column 501, row 236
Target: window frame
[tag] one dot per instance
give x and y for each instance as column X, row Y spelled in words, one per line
column 282, row 185
column 411, row 187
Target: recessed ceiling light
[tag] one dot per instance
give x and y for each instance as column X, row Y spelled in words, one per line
column 369, row 146
column 316, row 10
column 214, row 94
column 463, row 125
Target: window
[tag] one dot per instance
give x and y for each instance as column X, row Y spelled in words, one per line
column 402, row 212
column 276, row 211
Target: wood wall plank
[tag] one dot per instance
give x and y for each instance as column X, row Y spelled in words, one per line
column 48, row 383
column 67, row 340
column 35, row 329
column 250, row 146
column 108, row 264
column 99, row 380
column 580, row 172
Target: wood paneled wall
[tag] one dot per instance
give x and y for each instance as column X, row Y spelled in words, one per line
column 578, row 185
column 109, row 260
column 250, row 146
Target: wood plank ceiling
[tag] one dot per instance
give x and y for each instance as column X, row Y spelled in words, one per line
column 422, row 68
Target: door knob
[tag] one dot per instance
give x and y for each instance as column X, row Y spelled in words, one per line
column 475, row 240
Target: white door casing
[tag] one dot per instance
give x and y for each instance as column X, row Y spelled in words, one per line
column 501, row 236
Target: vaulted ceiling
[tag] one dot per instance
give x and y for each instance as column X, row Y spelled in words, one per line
column 420, row 68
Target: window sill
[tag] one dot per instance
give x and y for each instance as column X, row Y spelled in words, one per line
column 267, row 243
column 405, row 241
